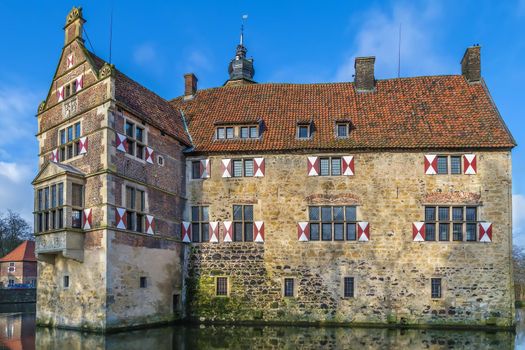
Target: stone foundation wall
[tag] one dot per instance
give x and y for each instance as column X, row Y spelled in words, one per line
column 392, row 273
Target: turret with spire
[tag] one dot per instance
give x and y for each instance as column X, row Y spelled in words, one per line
column 241, row 68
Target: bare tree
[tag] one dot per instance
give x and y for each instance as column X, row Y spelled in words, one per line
column 13, row 231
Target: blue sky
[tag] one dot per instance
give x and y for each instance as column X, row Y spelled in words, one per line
column 297, row 41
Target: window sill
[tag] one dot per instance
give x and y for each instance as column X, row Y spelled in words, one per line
column 140, row 160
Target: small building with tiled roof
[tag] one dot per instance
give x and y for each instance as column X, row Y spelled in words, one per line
column 19, row 266
column 384, row 201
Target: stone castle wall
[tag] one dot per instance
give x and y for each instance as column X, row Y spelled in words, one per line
column 392, row 273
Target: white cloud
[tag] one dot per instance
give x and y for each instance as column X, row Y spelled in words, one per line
column 17, row 110
column 145, row 54
column 378, row 36
column 13, row 172
column 518, row 219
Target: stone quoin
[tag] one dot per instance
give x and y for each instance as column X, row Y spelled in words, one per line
column 366, row 202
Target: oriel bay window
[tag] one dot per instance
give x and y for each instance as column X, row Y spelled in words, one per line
column 243, row 223
column 456, row 223
column 135, row 139
column 69, row 141
column 50, row 208
column 200, row 224
column 332, row 223
column 135, row 209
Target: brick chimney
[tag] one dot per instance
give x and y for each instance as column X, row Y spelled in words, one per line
column 364, row 74
column 471, row 64
column 190, row 85
column 74, row 25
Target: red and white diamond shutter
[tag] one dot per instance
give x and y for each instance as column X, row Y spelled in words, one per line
column 80, row 82
column 54, row 156
column 70, row 60
column 228, row 232
column 121, row 143
column 418, row 231
column 205, row 168
column 150, row 224
column 303, row 231
column 363, row 231
column 60, row 94
column 258, row 167
column 186, row 231
column 120, row 218
column 214, row 231
column 83, row 145
column 348, row 165
column 87, row 219
column 431, row 162
column 485, row 232
column 470, row 166
column 313, row 166
column 226, row 167
column 258, row 231
column 149, row 155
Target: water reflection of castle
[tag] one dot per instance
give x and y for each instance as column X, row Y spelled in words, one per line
column 17, row 331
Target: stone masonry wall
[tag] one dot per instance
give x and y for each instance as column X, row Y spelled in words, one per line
column 392, row 273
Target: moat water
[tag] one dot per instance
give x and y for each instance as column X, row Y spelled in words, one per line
column 18, row 331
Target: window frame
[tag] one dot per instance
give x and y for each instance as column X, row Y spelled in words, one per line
column 134, row 143
column 285, row 291
column 66, row 282
column 49, row 213
column 201, row 223
column 308, row 127
column 345, row 222
column 243, row 167
column 69, row 148
column 451, row 221
column 346, row 125
column 243, row 222
column 438, row 283
column 219, row 292
column 135, row 216
column 352, row 294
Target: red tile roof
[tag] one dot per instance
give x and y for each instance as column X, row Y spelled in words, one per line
column 431, row 112
column 151, row 107
column 24, row 252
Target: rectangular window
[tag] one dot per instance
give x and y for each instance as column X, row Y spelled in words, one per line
column 254, row 132
column 245, row 132
column 196, row 169
column 436, row 288
column 248, row 167
column 288, row 287
column 329, row 223
column 442, row 165
column 69, row 141
column 199, row 224
column 135, row 139
column 237, row 168
column 348, row 287
column 455, row 165
column 76, row 195
column 461, row 220
column 342, row 130
column 66, row 281
column 336, row 166
column 303, row 131
column 143, row 282
column 229, row 133
column 243, row 223
column 135, row 209
column 221, row 286
column 324, row 166
column 221, row 133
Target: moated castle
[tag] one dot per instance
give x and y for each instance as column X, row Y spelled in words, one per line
column 372, row 201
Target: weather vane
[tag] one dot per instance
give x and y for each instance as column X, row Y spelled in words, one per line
column 244, row 18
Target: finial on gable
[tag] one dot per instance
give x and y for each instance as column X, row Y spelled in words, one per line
column 74, row 25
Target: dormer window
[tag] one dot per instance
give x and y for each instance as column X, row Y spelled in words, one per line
column 240, row 132
column 303, row 131
column 249, row 132
column 343, row 130
column 224, row 133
